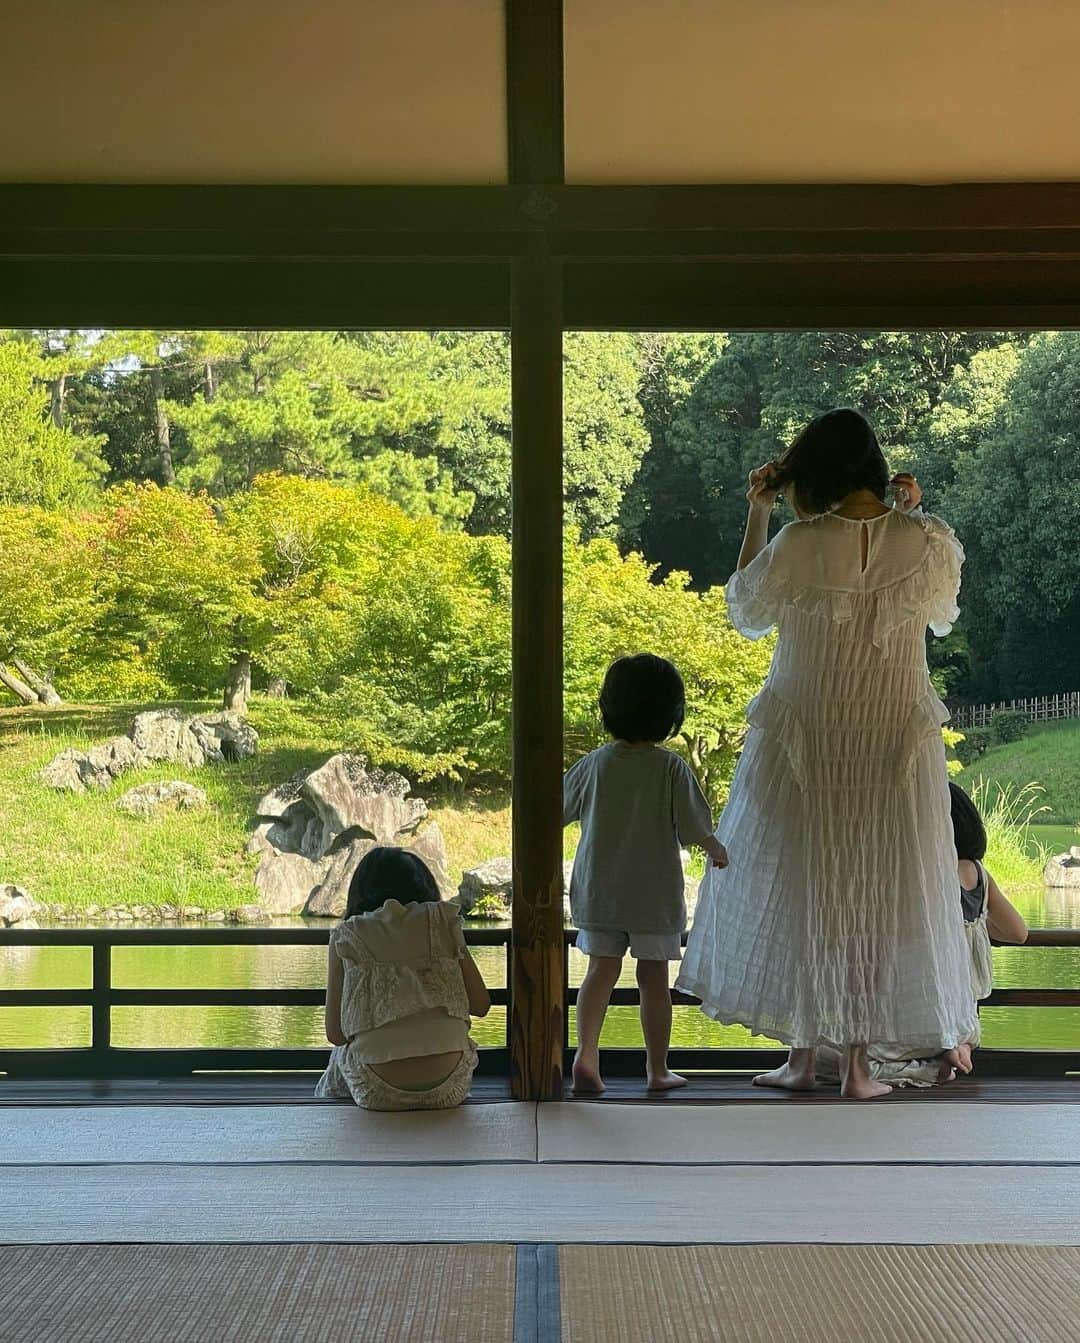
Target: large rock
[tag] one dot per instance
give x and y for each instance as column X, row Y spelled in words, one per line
column 156, row 735
column 1063, row 870
column 313, row 830
column 486, row 891
column 209, row 739
column 78, row 771
column 17, row 907
column 152, row 799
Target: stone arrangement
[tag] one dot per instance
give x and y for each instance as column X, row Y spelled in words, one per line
column 312, row 831
column 156, row 735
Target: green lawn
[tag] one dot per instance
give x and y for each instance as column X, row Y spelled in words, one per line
column 80, row 850
column 1049, row 756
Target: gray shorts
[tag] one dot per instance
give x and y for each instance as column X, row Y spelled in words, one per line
column 642, row 946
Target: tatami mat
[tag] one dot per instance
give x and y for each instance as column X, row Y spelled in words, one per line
column 808, row 1134
column 257, row 1293
column 266, row 1133
column 552, row 1203
column 820, row 1294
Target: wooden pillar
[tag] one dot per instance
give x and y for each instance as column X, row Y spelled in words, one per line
column 536, row 1020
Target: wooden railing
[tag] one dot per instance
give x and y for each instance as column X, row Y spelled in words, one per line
column 1040, row 709
column 104, row 1059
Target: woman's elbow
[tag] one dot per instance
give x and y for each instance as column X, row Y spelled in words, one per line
column 480, row 1006
column 335, row 1034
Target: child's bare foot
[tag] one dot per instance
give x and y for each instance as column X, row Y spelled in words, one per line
column 787, row 1078
column 960, row 1058
column 666, row 1081
column 587, row 1077
column 863, row 1089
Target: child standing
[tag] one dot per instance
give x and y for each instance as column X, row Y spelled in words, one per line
column 638, row 805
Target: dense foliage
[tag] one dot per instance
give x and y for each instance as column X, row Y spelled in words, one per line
column 392, row 632
column 332, row 511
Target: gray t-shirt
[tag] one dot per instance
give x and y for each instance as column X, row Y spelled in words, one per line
column 638, row 805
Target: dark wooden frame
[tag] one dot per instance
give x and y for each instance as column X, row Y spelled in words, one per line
column 537, row 255
column 104, row 1059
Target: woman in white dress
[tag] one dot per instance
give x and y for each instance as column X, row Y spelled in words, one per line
column 837, row 922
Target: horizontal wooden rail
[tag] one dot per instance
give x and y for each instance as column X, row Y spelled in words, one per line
column 102, row 1058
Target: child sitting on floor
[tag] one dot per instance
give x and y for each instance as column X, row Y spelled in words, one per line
column 988, row 916
column 400, row 989
column 637, row 804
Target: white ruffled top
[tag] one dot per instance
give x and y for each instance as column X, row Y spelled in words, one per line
column 404, row 993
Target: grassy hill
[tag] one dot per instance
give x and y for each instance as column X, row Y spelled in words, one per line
column 1049, row 756
column 81, row 851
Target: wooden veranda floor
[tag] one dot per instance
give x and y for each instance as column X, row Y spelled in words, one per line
column 714, row 1200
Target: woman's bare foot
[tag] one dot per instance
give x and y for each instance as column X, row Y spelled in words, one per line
column 856, row 1084
column 587, row 1077
column 666, row 1081
column 946, row 1072
column 863, row 1089
column 787, row 1078
column 960, row 1058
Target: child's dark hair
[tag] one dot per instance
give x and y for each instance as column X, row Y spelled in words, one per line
column 387, row 873
column 968, row 829
column 643, row 698
column 836, row 454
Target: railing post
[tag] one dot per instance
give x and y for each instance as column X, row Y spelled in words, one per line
column 101, row 1010
column 536, row 1034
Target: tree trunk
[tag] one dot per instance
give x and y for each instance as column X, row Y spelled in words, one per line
column 42, row 687
column 209, row 380
column 161, row 427
column 57, row 393
column 18, row 688
column 238, row 686
column 275, row 688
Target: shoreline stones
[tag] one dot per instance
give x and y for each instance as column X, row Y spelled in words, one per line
column 1063, row 870
column 248, row 914
column 156, row 735
column 153, row 799
column 312, row 831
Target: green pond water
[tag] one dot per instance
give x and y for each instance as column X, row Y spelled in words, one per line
column 304, row 966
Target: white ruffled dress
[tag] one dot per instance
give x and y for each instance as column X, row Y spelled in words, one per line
column 837, row 921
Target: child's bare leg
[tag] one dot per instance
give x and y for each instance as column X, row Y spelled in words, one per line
column 652, row 978
column 797, row 1074
column 855, row 1080
column 592, row 1004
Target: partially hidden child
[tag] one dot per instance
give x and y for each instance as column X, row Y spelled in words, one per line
column 401, row 988
column 639, row 805
column 989, row 916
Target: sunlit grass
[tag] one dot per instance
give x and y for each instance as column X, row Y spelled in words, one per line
column 1008, row 812
column 81, row 852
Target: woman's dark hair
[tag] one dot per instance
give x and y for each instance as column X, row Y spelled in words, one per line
column 836, row 454
column 968, row 829
column 385, row 874
column 642, row 698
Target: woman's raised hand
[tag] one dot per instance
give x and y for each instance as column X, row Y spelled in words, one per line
column 761, row 492
column 907, row 493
